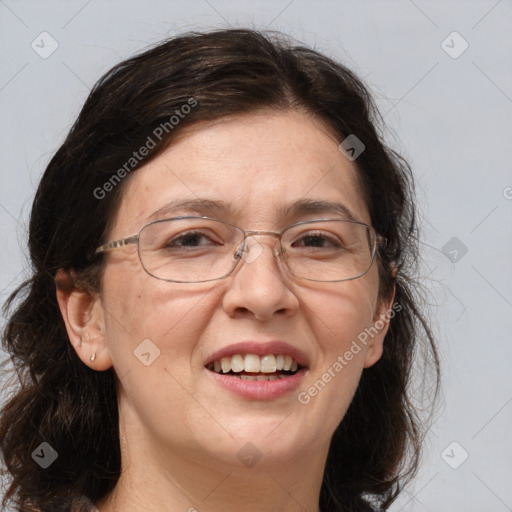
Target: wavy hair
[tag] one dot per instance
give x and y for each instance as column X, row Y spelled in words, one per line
column 376, row 448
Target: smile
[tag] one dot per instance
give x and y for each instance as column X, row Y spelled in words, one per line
column 256, row 368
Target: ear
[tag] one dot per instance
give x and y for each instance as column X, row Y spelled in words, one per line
column 384, row 312
column 83, row 316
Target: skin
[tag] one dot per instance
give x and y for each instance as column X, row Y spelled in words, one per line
column 180, row 433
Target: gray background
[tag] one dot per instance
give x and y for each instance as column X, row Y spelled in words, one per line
column 451, row 117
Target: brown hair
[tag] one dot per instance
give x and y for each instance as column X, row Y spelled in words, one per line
column 58, row 399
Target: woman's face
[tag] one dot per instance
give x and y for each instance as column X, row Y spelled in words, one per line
column 258, row 164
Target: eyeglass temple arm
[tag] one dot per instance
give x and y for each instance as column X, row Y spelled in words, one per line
column 115, row 244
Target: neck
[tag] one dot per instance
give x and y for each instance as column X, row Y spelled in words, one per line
column 154, row 479
column 211, row 492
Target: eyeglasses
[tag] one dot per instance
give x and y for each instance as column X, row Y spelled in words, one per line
column 201, row 249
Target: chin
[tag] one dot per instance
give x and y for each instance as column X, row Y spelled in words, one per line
column 266, row 439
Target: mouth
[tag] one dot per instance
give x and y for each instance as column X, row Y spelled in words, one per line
column 253, row 367
column 258, row 370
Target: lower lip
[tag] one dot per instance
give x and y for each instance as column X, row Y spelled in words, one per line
column 259, row 390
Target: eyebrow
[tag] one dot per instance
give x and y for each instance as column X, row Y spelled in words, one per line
column 212, row 207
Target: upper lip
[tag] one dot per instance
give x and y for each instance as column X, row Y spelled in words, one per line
column 260, row 348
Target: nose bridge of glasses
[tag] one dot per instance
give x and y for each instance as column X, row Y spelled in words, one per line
column 251, row 255
column 252, row 233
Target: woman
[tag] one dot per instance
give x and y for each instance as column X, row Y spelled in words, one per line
column 222, row 313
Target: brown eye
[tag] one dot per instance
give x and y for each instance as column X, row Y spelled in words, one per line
column 189, row 239
column 319, row 240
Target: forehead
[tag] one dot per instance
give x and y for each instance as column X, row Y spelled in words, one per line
column 256, row 170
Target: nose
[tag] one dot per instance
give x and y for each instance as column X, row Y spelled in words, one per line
column 259, row 285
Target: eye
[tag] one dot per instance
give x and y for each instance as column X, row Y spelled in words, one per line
column 188, row 239
column 320, row 240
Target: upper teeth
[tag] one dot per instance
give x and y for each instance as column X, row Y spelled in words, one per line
column 255, row 364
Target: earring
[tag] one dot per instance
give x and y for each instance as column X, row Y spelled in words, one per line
column 93, row 357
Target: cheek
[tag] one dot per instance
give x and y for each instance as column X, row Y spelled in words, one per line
column 337, row 318
column 340, row 315
column 143, row 308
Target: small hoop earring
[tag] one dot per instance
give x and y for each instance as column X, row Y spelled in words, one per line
column 93, row 357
